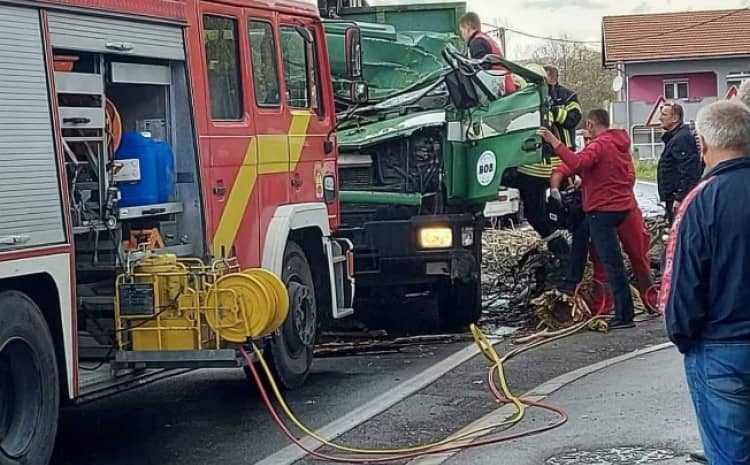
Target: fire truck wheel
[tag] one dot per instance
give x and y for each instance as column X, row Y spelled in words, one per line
column 29, row 389
column 459, row 306
column 291, row 347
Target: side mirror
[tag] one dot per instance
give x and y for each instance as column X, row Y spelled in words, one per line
column 353, row 53
column 359, row 93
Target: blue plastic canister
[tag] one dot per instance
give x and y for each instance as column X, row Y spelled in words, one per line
column 157, row 183
column 165, row 165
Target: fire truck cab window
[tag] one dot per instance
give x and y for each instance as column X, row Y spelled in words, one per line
column 265, row 72
column 298, row 69
column 222, row 64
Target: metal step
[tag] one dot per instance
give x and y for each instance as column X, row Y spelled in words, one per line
column 221, row 358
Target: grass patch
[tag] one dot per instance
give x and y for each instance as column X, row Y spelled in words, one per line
column 645, row 170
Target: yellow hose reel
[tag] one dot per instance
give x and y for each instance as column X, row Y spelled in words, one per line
column 249, row 304
column 195, row 306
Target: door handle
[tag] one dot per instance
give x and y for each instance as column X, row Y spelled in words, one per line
column 296, row 181
column 531, row 145
column 13, row 240
column 120, row 46
column 77, row 120
column 219, row 189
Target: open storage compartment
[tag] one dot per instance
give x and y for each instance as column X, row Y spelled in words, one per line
column 130, row 156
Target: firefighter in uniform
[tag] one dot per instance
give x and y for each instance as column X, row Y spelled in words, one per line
column 480, row 44
column 533, row 180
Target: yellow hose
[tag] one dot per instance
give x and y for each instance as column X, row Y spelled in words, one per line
column 485, row 347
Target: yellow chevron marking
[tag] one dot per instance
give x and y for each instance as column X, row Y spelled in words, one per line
column 265, row 154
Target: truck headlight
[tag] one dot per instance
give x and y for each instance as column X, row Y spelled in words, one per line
column 435, row 238
column 467, row 236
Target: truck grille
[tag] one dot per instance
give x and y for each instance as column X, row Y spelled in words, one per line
column 355, row 178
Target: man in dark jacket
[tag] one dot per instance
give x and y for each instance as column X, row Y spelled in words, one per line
column 705, row 295
column 679, row 166
column 606, row 170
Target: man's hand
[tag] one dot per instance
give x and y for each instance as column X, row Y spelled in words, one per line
column 555, row 194
column 676, row 207
column 549, row 137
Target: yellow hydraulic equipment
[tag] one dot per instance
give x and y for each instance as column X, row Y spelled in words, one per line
column 163, row 303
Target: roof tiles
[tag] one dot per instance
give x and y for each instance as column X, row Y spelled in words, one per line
column 674, row 36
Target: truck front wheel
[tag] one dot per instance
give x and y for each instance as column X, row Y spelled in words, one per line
column 291, row 347
column 459, row 305
column 29, row 388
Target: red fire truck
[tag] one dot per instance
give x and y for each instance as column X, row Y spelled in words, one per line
column 186, row 130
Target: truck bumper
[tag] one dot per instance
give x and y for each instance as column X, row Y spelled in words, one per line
column 389, row 253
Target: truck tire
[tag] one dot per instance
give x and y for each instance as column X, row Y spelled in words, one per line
column 29, row 387
column 459, row 306
column 290, row 349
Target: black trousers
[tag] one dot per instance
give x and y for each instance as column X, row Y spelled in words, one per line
column 533, row 195
column 579, row 254
column 602, row 226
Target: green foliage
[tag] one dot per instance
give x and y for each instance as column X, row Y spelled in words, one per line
column 580, row 70
column 645, row 170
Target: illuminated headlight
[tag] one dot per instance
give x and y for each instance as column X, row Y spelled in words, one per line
column 435, row 238
column 467, row 236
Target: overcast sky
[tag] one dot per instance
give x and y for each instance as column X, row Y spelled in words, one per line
column 576, row 19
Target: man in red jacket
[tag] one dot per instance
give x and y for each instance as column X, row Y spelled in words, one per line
column 480, row 45
column 606, row 170
column 635, row 242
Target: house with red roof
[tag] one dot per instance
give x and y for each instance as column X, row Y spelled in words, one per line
column 693, row 58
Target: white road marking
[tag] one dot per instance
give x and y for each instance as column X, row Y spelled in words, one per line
column 379, row 404
column 537, row 394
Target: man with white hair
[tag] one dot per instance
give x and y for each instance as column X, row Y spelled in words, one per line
column 704, row 293
column 743, row 93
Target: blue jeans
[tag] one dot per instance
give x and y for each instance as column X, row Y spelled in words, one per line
column 718, row 376
column 603, row 230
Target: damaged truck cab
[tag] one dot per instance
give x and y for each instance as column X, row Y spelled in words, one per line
column 419, row 159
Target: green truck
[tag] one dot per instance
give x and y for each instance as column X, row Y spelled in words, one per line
column 425, row 139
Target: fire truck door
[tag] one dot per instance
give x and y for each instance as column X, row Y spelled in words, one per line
column 233, row 164
column 308, row 128
column 270, row 114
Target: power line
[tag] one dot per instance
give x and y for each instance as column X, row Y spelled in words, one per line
column 598, row 42
column 540, row 37
column 692, row 26
column 553, row 39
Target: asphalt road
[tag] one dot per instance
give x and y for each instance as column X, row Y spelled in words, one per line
column 215, row 417
column 634, row 412
column 648, row 198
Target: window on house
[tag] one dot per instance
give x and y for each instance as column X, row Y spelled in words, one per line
column 300, row 68
column 265, row 72
column 222, row 64
column 647, row 143
column 736, row 78
column 675, row 90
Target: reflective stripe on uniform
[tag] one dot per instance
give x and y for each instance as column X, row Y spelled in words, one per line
column 540, row 170
column 573, row 106
column 562, row 115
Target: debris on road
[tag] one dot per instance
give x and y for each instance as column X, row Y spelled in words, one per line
column 344, row 346
column 520, row 276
